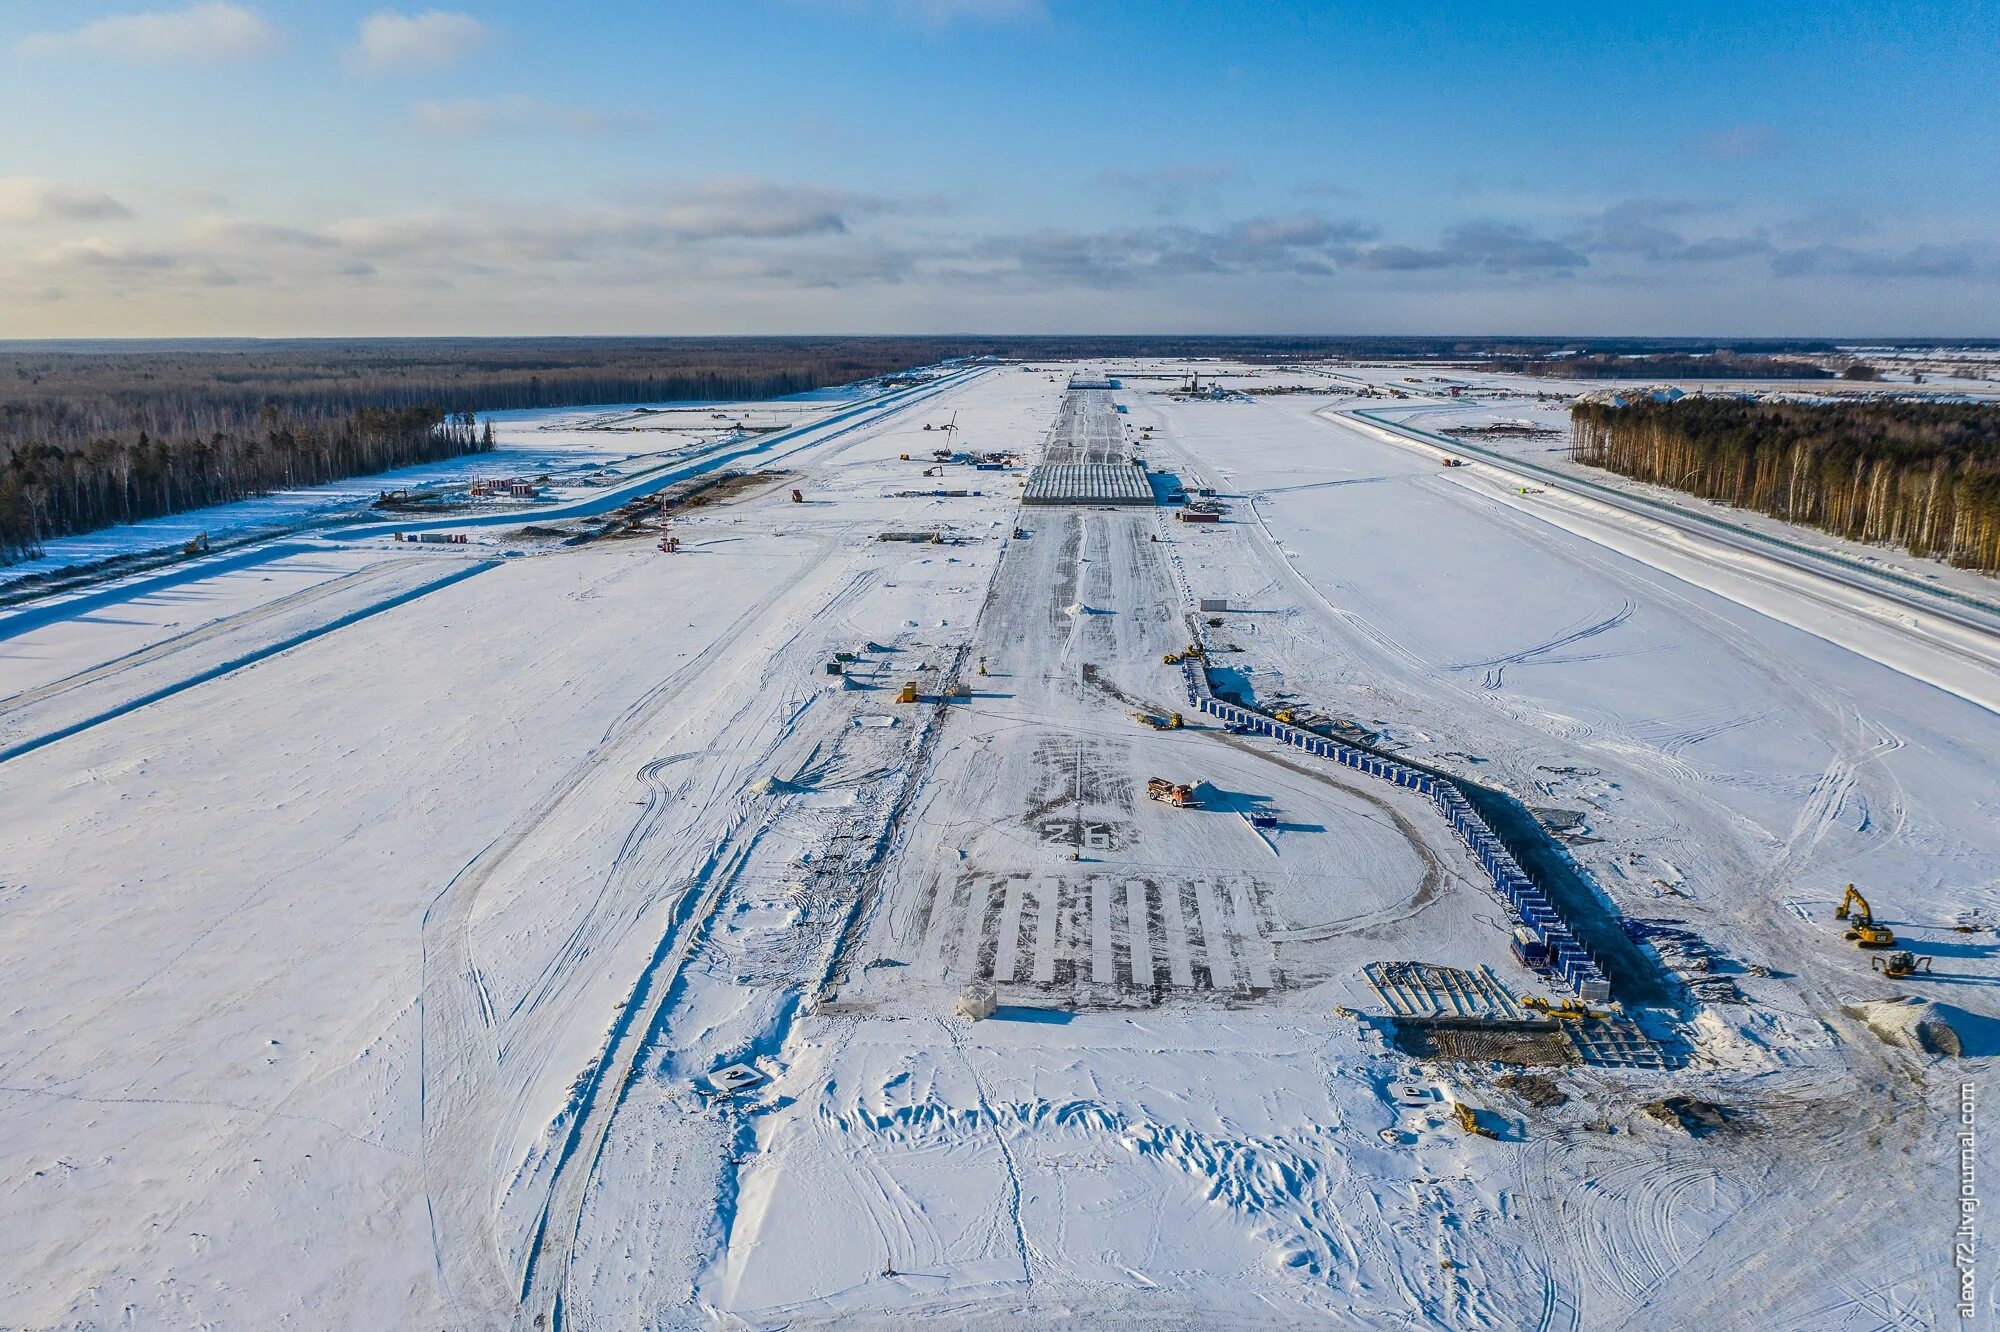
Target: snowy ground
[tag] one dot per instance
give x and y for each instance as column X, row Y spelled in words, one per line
column 579, row 450
column 375, row 915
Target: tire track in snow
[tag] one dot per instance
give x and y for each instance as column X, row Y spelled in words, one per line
column 460, row 1100
column 243, row 661
column 200, row 634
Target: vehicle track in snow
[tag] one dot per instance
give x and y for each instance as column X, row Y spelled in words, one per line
column 463, row 1109
column 181, row 642
column 545, row 1282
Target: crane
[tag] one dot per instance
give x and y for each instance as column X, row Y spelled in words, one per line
column 1861, row 926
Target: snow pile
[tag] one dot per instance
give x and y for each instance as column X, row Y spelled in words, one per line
column 1909, row 1021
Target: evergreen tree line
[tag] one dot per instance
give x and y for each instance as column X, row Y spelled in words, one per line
column 52, row 490
column 1923, row 476
column 110, row 433
column 1718, row 365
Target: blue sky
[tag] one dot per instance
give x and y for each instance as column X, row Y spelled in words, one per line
column 231, row 167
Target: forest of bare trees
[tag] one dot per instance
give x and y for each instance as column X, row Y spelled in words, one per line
column 1923, row 476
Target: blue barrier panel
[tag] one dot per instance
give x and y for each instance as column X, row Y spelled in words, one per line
column 1571, row 961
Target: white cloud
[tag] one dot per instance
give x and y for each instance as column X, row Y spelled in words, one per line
column 751, row 208
column 30, row 199
column 519, row 115
column 390, row 41
column 97, row 252
column 213, row 31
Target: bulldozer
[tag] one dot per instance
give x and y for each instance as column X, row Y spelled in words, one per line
column 1861, row 926
column 1171, row 659
column 1178, row 794
column 1900, row 964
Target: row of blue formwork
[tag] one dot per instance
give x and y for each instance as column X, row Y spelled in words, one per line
column 1567, row 957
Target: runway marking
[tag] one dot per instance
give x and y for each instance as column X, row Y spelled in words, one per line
column 1103, row 967
column 1047, row 892
column 1010, row 934
column 971, row 933
column 1174, row 929
column 944, row 896
column 1215, row 938
column 1257, row 958
column 1135, row 918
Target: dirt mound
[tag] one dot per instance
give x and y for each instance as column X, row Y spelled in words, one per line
column 1696, row 1118
column 1537, row 1089
column 1469, row 1041
column 1912, row 1022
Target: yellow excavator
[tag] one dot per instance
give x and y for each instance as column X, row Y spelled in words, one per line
column 1861, row 926
column 1898, row 965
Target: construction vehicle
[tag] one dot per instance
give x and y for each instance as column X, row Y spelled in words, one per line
column 1861, row 926
column 908, row 693
column 1171, row 659
column 198, row 546
column 1285, row 715
column 1900, row 964
column 1463, row 1111
column 1174, row 722
column 1196, row 651
column 1568, row 1010
column 1454, row 462
column 798, row 497
column 1178, row 794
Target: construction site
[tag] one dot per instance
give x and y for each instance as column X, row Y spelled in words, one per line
column 1123, row 845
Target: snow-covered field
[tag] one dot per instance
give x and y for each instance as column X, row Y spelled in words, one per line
column 580, row 451
column 375, row 916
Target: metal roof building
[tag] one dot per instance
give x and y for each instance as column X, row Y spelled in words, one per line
column 1088, row 483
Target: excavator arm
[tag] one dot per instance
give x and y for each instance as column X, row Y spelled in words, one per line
column 1853, row 904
